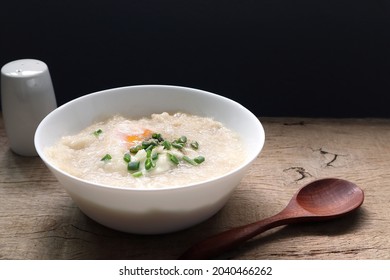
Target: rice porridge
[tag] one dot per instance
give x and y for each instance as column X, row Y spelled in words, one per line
column 158, row 151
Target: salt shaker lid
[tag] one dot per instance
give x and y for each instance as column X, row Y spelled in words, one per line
column 24, row 68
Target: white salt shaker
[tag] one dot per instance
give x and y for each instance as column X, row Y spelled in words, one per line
column 27, row 96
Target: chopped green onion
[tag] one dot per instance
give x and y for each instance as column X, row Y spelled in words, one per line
column 133, row 165
column 158, row 137
column 199, row 159
column 106, row 157
column 135, row 149
column 137, row 174
column 127, row 157
column 149, row 164
column 178, row 145
column 173, row 158
column 167, row 145
column 97, row 132
column 194, row 145
column 145, row 144
column 182, row 140
column 189, row 160
column 149, row 144
column 155, row 156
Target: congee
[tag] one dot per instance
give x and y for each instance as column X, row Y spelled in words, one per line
column 152, row 152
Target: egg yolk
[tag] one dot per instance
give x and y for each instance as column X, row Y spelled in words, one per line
column 133, row 138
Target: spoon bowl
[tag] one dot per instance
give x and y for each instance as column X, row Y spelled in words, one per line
column 329, row 197
column 317, row 201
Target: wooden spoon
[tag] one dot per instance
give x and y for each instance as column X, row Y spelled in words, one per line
column 319, row 200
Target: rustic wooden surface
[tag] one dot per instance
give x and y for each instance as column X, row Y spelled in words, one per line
column 39, row 221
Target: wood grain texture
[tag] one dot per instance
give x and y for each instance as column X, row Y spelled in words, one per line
column 38, row 220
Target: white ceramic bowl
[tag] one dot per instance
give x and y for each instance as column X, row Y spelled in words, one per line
column 149, row 211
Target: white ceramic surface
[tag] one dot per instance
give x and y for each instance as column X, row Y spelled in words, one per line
column 27, row 96
column 147, row 211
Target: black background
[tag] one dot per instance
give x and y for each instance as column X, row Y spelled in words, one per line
column 277, row 58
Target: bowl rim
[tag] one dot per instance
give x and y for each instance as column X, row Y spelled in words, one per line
column 250, row 158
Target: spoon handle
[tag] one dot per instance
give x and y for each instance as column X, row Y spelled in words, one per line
column 227, row 240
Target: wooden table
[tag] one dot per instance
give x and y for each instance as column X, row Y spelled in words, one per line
column 38, row 220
